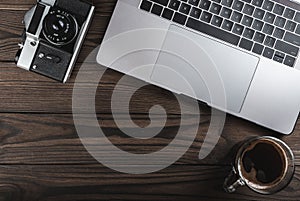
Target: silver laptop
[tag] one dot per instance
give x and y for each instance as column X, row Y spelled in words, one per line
column 192, row 47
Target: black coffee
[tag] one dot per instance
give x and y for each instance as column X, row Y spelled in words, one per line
column 264, row 162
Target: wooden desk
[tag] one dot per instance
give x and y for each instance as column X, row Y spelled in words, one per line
column 42, row 157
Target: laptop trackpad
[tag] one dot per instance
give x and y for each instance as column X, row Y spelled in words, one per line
column 194, row 65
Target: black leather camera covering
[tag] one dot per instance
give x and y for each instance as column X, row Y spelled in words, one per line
column 77, row 7
column 54, row 68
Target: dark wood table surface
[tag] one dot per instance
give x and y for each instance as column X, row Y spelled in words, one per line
column 42, row 158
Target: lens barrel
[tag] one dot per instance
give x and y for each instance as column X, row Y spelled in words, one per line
column 60, row 27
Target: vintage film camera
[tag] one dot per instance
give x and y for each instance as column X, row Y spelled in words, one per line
column 54, row 33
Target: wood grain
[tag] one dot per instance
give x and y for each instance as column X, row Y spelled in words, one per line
column 93, row 182
column 57, row 142
column 33, row 93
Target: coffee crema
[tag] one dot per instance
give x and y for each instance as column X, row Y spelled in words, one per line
column 263, row 163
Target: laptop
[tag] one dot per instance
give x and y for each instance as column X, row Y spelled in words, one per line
column 246, row 50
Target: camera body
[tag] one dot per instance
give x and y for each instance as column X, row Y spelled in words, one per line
column 54, row 33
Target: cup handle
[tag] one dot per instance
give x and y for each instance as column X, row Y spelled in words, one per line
column 233, row 181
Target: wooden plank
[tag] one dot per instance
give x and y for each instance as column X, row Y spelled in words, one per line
column 35, row 93
column 94, row 182
column 52, row 139
column 56, row 141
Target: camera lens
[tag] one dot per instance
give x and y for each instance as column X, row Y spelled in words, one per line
column 60, row 27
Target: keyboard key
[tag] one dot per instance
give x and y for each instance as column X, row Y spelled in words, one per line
column 215, row 8
column 280, row 22
column 270, row 41
column 247, row 21
column 278, row 33
column 246, row 44
column 289, row 13
column 298, row 29
column 146, row 5
column 292, row 38
column 269, row 17
column 248, row 33
column 257, row 25
column 204, row 4
column 227, row 3
column 179, row 18
column 226, row 12
column 194, row 2
column 248, row 9
column 213, row 31
column 259, row 37
column 161, row 2
column 297, row 17
column 290, row 26
column 289, row 61
column 279, row 56
column 268, row 52
column 195, row 12
column 167, row 13
column 238, row 29
column 268, row 5
column 268, row 29
column 236, row 17
column 257, row 3
column 184, row 8
column 217, row 21
column 278, row 9
column 278, row 59
column 258, row 49
column 174, row 4
column 286, row 48
column 259, row 13
column 156, row 9
column 227, row 25
column 218, row 1
column 247, row 1
column 206, row 17
column 238, row 5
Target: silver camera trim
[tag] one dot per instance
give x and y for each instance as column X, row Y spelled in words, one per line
column 32, row 41
column 49, row 2
column 79, row 42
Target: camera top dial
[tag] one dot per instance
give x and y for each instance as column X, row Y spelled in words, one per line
column 60, row 27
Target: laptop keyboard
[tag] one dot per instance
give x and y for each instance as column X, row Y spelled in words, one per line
column 263, row 27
